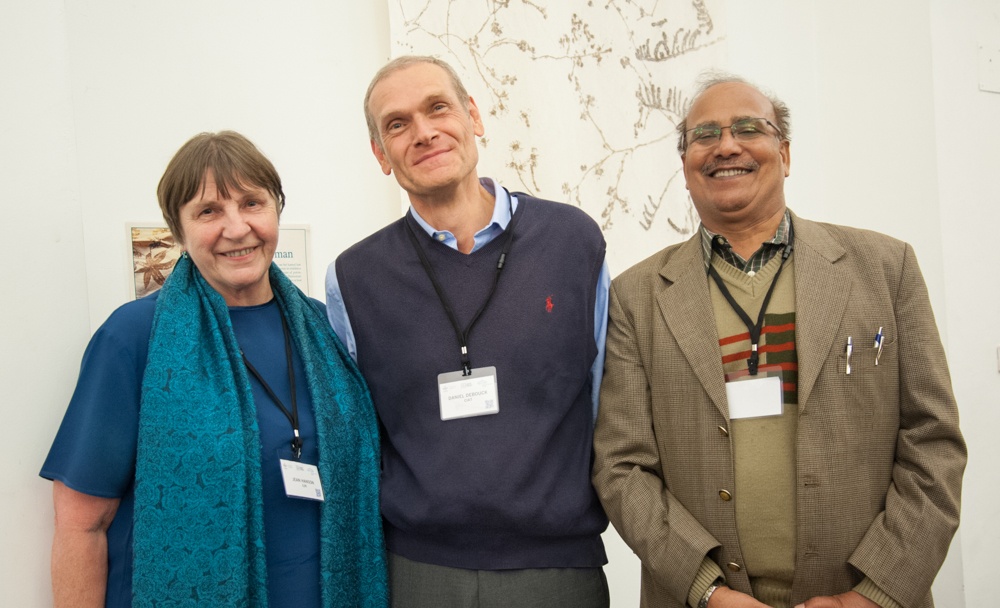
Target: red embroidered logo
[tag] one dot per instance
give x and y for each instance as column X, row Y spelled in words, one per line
column 548, row 304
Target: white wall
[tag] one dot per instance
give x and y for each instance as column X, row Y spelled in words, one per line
column 890, row 132
column 43, row 312
column 968, row 215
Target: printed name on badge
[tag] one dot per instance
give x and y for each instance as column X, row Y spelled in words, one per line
column 465, row 396
column 301, row 480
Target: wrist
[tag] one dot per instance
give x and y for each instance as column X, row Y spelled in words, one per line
column 703, row 602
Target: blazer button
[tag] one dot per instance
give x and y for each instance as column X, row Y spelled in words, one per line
column 725, row 495
column 734, row 566
column 723, row 431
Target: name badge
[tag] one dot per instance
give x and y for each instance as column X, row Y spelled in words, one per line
column 754, row 397
column 301, row 480
column 464, row 396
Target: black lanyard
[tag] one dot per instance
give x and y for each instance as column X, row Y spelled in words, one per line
column 293, row 415
column 463, row 336
column 754, row 329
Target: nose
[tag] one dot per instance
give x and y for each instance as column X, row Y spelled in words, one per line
column 727, row 146
column 234, row 225
column 424, row 129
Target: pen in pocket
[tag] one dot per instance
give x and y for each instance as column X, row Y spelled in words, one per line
column 850, row 349
column 879, row 338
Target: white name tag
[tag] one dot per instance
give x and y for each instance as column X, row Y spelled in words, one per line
column 464, row 396
column 755, row 397
column 301, row 480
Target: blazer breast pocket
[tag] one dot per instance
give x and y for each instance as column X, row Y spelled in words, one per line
column 869, row 379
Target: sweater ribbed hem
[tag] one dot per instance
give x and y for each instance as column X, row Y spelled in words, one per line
column 872, row 591
column 771, row 591
column 708, row 573
column 499, row 551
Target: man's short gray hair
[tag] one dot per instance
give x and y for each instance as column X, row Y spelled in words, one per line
column 708, row 80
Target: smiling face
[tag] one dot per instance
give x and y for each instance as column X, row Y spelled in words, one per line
column 428, row 134
column 732, row 182
column 231, row 239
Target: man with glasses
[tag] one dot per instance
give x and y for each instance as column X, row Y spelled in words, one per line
column 777, row 425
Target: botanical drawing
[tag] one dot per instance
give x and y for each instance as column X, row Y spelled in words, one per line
column 581, row 99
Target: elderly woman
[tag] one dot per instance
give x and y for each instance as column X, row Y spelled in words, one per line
column 221, row 448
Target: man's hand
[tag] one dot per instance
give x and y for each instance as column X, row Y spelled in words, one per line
column 724, row 597
column 851, row 599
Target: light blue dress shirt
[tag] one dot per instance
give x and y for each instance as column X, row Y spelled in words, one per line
column 504, row 206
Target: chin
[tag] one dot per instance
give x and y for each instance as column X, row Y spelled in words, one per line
column 721, row 206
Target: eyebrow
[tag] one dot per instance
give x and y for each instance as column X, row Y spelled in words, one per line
column 733, row 120
column 254, row 192
column 242, row 193
column 429, row 99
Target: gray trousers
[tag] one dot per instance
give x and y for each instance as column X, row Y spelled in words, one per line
column 419, row 585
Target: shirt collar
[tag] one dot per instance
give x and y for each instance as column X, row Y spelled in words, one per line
column 780, row 239
column 504, row 204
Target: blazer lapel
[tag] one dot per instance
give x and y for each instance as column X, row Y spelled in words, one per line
column 822, row 289
column 686, row 307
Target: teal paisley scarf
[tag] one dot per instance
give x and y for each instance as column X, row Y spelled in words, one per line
column 198, row 529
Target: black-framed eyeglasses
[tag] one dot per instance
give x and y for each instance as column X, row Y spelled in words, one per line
column 746, row 129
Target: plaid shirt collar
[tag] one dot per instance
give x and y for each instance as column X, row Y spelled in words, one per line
column 768, row 249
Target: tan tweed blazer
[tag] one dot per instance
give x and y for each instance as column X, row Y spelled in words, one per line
column 879, row 453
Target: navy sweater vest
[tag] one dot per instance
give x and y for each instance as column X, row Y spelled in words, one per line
column 510, row 490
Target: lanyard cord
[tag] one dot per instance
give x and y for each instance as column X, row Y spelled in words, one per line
column 754, row 360
column 293, row 415
column 463, row 336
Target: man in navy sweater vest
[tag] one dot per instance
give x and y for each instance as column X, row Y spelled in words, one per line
column 478, row 320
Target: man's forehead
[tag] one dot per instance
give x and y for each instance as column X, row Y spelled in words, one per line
column 727, row 102
column 421, row 80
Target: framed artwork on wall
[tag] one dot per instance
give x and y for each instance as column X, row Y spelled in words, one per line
column 154, row 253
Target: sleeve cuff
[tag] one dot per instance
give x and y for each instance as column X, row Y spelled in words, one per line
column 708, row 573
column 871, row 591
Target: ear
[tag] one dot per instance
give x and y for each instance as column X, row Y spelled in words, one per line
column 477, row 119
column 684, row 170
column 786, row 157
column 380, row 157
